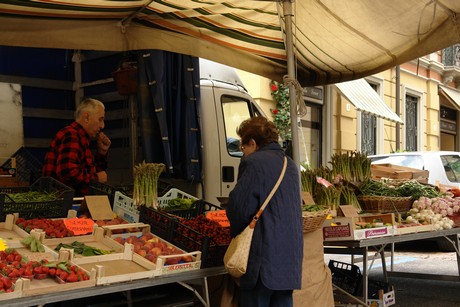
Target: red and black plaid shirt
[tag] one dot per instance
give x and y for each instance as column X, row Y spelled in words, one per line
column 70, row 160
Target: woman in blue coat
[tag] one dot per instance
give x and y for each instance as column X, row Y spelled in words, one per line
column 275, row 260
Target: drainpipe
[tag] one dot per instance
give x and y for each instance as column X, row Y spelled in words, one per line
column 398, row 106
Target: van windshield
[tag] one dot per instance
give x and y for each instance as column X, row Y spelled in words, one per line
column 451, row 165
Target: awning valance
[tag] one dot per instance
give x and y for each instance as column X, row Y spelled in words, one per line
column 452, row 95
column 365, row 99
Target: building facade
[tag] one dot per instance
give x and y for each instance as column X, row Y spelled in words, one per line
column 350, row 116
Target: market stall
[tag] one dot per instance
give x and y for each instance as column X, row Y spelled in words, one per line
column 153, row 237
column 372, row 208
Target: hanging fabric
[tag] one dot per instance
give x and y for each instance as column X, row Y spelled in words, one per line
column 168, row 112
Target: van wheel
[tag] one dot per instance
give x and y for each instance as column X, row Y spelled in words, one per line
column 445, row 245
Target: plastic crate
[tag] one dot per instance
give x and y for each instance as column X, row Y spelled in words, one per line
column 212, row 251
column 161, row 223
column 169, row 226
column 172, row 194
column 98, row 188
column 123, row 207
column 373, row 288
column 47, row 209
column 346, row 276
column 28, row 167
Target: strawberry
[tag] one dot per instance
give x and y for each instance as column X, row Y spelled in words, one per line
column 10, row 258
column 7, row 283
column 52, row 272
column 71, row 278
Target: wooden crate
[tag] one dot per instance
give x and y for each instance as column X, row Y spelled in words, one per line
column 96, row 240
column 117, row 267
column 161, row 267
column 47, row 285
column 17, row 292
column 10, row 232
column 414, row 229
column 397, row 172
column 51, row 285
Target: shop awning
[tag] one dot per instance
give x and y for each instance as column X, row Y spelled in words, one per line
column 365, row 99
column 452, row 95
column 332, row 40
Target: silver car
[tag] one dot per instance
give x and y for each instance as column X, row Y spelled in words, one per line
column 443, row 166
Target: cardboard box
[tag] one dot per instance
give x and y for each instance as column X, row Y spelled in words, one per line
column 12, row 182
column 397, row 172
column 345, row 228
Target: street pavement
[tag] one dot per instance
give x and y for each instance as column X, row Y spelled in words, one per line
column 421, row 257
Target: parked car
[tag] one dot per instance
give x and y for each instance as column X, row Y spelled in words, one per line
column 443, row 167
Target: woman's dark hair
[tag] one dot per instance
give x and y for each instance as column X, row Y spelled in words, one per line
column 258, row 128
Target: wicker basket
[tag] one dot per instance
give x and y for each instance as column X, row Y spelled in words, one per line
column 385, row 204
column 313, row 220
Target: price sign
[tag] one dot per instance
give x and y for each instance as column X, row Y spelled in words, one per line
column 79, row 226
column 220, row 216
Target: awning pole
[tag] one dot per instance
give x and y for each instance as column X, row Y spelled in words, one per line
column 287, row 11
column 398, row 107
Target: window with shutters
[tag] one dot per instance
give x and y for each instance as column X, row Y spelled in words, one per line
column 369, row 130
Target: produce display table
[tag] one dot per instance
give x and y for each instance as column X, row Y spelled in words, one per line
column 182, row 278
column 361, row 247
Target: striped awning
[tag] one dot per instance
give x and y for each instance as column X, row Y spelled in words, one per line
column 365, row 99
column 333, row 40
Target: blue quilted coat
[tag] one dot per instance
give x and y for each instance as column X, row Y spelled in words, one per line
column 277, row 245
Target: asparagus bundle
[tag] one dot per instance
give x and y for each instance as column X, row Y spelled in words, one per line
column 325, row 196
column 146, row 184
column 352, row 166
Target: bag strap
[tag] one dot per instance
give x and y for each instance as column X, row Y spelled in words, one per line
column 269, row 197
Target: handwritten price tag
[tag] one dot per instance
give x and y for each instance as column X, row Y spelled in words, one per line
column 220, row 216
column 79, row 226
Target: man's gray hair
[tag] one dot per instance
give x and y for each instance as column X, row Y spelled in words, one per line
column 88, row 104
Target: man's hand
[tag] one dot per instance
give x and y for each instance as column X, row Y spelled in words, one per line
column 102, row 177
column 103, row 143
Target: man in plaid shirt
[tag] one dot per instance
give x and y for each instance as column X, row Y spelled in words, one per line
column 69, row 158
